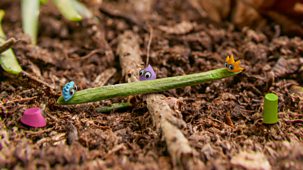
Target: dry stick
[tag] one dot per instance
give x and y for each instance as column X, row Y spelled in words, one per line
column 294, row 121
column 26, row 74
column 22, row 100
column 183, row 156
column 129, row 53
column 148, row 45
column 7, row 44
column 90, row 54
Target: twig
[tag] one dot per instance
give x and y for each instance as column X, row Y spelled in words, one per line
column 37, row 133
column 22, row 100
column 148, row 45
column 130, row 59
column 294, row 121
column 26, row 74
column 182, row 154
column 92, row 53
column 7, row 44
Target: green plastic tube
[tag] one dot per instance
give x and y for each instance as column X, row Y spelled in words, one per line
column 270, row 113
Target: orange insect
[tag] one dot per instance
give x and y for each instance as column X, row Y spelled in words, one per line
column 231, row 65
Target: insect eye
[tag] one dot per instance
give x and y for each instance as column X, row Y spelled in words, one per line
column 147, row 74
column 141, row 72
column 231, row 67
column 225, row 65
column 71, row 91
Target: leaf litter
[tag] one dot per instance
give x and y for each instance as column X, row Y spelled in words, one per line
column 223, row 118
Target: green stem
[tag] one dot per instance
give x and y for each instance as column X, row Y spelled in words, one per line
column 8, row 59
column 82, row 9
column 142, row 87
column 113, row 107
column 73, row 10
column 30, row 17
column 43, row 2
column 68, row 10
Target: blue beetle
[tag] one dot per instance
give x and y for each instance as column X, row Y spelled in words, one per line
column 69, row 90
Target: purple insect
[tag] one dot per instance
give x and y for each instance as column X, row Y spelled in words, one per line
column 147, row 74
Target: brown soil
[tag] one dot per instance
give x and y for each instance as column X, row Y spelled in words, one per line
column 223, row 118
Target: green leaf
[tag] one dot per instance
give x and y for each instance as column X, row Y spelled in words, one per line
column 8, row 59
column 30, row 18
column 68, row 10
column 82, row 9
column 43, row 2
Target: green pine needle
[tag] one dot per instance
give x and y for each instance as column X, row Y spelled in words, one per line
column 143, row 87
